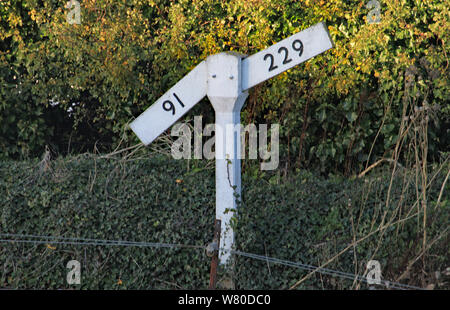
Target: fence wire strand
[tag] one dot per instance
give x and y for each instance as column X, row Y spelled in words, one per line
column 36, row 239
column 326, row 271
column 88, row 241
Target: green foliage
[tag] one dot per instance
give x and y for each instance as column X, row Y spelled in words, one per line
column 304, row 218
column 23, row 127
column 125, row 54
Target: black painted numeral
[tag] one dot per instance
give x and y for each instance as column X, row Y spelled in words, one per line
column 179, row 101
column 169, row 106
column 286, row 53
column 272, row 67
column 297, row 45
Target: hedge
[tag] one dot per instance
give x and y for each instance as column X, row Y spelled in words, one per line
column 300, row 217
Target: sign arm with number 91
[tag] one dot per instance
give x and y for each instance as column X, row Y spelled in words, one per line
column 172, row 105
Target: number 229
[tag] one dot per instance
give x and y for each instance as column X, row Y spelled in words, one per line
column 297, row 46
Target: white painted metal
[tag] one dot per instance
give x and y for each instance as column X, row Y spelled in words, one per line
column 255, row 69
column 224, row 92
column 225, row 79
column 155, row 120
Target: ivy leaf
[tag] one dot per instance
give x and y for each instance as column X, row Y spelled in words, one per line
column 351, row 116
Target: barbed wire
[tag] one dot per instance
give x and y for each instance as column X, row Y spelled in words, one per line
column 37, row 239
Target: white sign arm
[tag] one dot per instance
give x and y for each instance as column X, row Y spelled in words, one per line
column 285, row 54
column 172, row 105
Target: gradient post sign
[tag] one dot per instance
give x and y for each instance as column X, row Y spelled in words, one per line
column 225, row 79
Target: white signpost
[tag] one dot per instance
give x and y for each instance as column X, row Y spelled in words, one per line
column 225, row 79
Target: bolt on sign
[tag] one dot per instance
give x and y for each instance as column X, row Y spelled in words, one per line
column 225, row 79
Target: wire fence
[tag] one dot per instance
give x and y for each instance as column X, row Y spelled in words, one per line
column 326, row 271
column 87, row 241
column 37, row 239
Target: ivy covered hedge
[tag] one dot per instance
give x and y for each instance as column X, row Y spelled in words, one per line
column 300, row 217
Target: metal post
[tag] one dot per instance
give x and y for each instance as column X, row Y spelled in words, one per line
column 225, row 93
column 215, row 246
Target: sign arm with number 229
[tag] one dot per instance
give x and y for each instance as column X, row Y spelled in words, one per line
column 255, row 69
column 285, row 54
